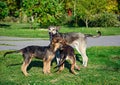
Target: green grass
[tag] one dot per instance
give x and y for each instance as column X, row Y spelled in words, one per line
column 105, row 31
column 23, row 30
column 103, row 69
column 24, row 33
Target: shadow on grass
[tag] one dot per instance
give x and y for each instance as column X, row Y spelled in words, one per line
column 78, row 58
column 4, row 25
column 113, row 64
column 32, row 64
column 8, row 83
column 67, row 64
column 15, row 64
column 35, row 64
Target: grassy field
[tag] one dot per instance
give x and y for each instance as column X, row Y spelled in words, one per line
column 23, row 30
column 103, row 66
column 103, row 69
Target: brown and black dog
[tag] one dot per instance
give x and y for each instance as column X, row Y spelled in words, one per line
column 46, row 53
column 67, row 53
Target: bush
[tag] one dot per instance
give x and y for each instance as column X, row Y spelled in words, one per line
column 3, row 10
column 48, row 19
column 104, row 20
column 10, row 19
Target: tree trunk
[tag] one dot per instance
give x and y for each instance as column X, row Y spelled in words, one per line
column 86, row 23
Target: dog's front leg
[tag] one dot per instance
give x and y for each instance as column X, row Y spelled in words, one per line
column 48, row 66
column 58, row 57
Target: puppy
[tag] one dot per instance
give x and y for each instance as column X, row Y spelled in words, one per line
column 67, row 53
column 46, row 53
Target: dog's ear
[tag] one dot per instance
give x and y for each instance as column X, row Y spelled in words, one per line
column 64, row 41
column 49, row 27
column 57, row 27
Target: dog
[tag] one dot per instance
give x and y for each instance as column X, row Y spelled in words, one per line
column 76, row 40
column 46, row 53
column 67, row 53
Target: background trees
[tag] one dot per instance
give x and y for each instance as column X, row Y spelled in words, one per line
column 63, row 12
column 3, row 10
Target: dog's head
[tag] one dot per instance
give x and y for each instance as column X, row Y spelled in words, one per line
column 57, row 42
column 53, row 30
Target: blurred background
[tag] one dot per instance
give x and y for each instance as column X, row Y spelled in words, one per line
column 73, row 13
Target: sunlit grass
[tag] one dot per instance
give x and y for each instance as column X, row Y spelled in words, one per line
column 103, row 69
column 24, row 30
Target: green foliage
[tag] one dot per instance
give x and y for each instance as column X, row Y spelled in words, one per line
column 87, row 8
column 55, row 12
column 47, row 12
column 103, row 69
column 105, row 20
column 51, row 14
column 3, row 10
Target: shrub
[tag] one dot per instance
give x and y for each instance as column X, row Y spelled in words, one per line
column 3, row 10
column 48, row 19
column 104, row 20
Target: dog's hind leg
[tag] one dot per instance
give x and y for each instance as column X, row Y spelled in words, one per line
column 61, row 68
column 25, row 64
column 84, row 56
column 81, row 48
column 77, row 67
column 73, row 62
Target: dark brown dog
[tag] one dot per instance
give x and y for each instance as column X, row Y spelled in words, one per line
column 46, row 53
column 67, row 52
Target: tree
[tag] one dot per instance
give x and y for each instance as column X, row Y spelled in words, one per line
column 47, row 12
column 86, row 9
column 12, row 5
column 3, row 10
column 112, row 6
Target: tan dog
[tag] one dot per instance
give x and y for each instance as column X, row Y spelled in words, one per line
column 46, row 53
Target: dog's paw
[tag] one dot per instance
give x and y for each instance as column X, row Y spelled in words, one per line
column 76, row 73
column 26, row 74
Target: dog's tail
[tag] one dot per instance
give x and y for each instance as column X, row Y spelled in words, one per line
column 10, row 52
column 61, row 63
column 94, row 36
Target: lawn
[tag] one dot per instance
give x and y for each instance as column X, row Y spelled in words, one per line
column 103, row 66
column 103, row 69
column 23, row 30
